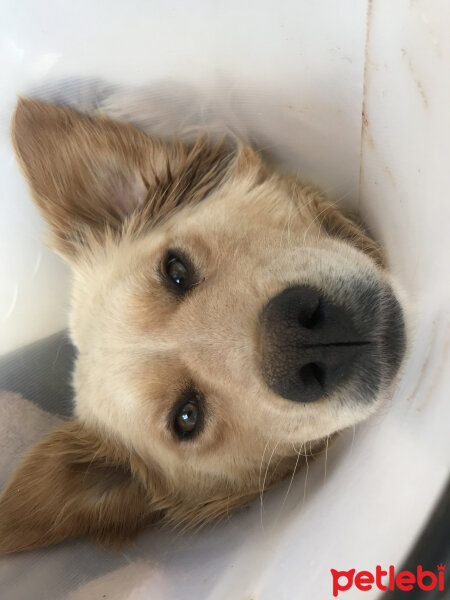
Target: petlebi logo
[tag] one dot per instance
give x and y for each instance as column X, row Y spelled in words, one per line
column 388, row 579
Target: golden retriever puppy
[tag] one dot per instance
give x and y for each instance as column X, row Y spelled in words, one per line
column 225, row 317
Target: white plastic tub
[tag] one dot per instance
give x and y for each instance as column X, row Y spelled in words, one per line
column 353, row 95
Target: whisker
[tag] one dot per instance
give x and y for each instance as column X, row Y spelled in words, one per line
column 264, row 481
column 332, row 204
column 326, row 458
column 99, row 449
column 260, row 468
column 291, row 480
column 306, row 481
column 327, row 207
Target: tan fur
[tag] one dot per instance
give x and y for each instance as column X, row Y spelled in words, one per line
column 345, row 226
column 114, row 169
column 116, row 201
column 73, row 481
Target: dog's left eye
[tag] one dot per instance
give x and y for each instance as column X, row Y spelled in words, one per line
column 188, row 416
column 177, row 272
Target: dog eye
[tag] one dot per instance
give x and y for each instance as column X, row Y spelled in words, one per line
column 188, row 417
column 177, row 272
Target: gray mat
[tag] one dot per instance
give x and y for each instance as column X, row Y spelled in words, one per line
column 41, row 373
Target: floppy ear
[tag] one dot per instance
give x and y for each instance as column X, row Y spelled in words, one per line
column 71, row 484
column 88, row 174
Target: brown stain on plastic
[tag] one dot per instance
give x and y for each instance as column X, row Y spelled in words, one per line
column 365, row 136
column 427, row 396
column 425, row 364
column 415, row 77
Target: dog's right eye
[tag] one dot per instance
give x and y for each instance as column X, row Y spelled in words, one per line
column 187, row 415
column 177, row 272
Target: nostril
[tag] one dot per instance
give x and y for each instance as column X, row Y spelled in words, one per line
column 313, row 319
column 311, row 374
column 309, row 344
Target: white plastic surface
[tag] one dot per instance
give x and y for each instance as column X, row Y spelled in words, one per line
column 300, row 75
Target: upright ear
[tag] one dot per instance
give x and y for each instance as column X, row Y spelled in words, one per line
column 74, row 484
column 88, row 174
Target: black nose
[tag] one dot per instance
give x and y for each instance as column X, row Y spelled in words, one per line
column 308, row 344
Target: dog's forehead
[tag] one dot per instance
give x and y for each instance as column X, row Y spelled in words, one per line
column 240, row 209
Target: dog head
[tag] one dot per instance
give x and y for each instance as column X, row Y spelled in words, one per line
column 225, row 316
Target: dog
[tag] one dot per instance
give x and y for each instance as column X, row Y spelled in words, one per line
column 227, row 318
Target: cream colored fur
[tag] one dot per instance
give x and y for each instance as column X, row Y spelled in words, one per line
column 116, row 201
